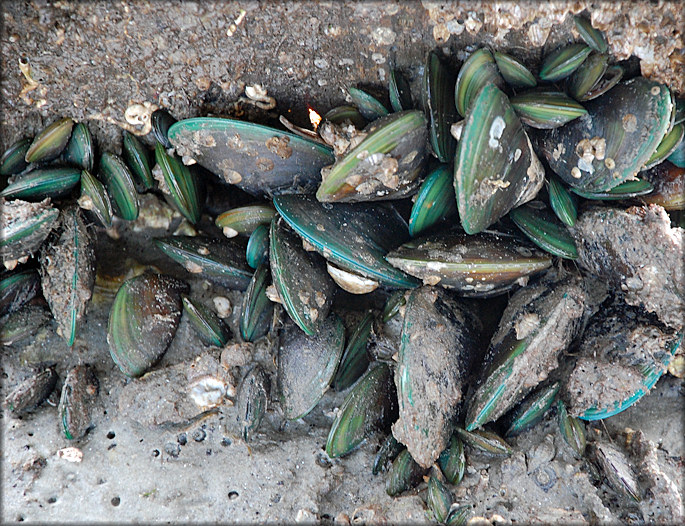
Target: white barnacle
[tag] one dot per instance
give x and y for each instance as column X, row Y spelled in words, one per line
column 496, row 130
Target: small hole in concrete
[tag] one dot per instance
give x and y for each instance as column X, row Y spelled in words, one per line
column 155, row 452
column 20, row 518
column 111, row 435
column 52, row 500
column 226, row 441
column 232, row 495
column 30, row 434
column 116, row 501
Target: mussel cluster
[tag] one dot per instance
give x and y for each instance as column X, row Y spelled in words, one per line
column 550, row 191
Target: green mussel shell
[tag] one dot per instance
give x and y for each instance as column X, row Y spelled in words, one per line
column 208, row 326
column 385, row 165
column 306, row 365
column 485, row 441
column 17, row 289
column 543, row 228
column 252, row 401
column 80, row 149
column 370, row 107
column 23, row 323
column 50, row 142
column 399, row 91
column 495, row 167
column 13, row 160
column 667, row 146
column 182, row 184
column 514, row 72
column 300, row 277
column 355, row 236
column 562, row 201
column 571, row 428
column 677, row 157
column 340, row 114
column 438, row 499
column 611, row 77
column 370, row 406
column 438, row 103
column 138, row 159
column 219, row 260
column 258, row 159
column 625, row 190
column 459, row 515
column 119, row 183
column 481, row 265
column 592, row 37
column 392, row 306
column 669, row 186
column 43, row 182
column 143, row 321
column 244, row 219
column 257, row 251
column 30, row 393
column 257, row 309
column 617, row 469
column 403, row 474
column 452, row 461
column 355, row 360
column 546, row 109
column 23, row 227
column 161, row 120
column 587, row 75
column 94, row 197
column 79, row 392
column 532, row 409
column 478, row 71
column 388, row 452
column 561, row 63
column 435, row 201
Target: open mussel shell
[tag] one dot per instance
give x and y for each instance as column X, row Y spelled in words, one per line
column 23, row 228
column 161, row 120
column 340, row 114
column 355, row 236
column 252, row 401
column 17, row 289
column 370, row 107
column 355, row 360
column 495, row 167
column 41, row 183
column 514, row 72
column 609, row 145
column 219, row 260
column 435, row 201
column 245, row 219
column 257, row 159
column 438, row 499
column 438, row 103
column 561, row 63
column 23, row 323
column 257, row 309
column 30, row 393
column 306, row 365
column 532, row 409
column 677, row 157
column 571, row 429
column 459, row 515
column 611, row 77
column 399, row 91
column 13, row 160
column 539, row 323
column 625, row 190
column 438, row 341
column 583, row 79
column 592, row 37
column 182, row 184
column 481, row 265
column 545, row 108
column 622, row 355
column 667, row 146
column 118, row 180
column 543, row 228
column 404, row 474
column 79, row 393
column 386, row 453
column 350, row 281
column 478, row 71
column 143, row 321
column 562, row 201
column 385, row 165
column 50, row 142
column 300, row 277
column 208, row 326
column 485, row 441
column 138, row 159
column 80, row 149
column 669, row 186
column 67, row 268
column 452, row 461
column 94, row 197
column 257, row 251
column 370, row 406
column 614, row 465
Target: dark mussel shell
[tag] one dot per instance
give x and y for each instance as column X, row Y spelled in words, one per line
column 161, row 120
column 256, row 158
column 80, row 150
column 252, row 401
column 355, row 359
column 22, row 323
column 17, row 289
column 209, row 327
column 23, row 228
column 438, row 103
column 94, row 197
column 79, row 393
column 44, row 182
column 669, row 186
column 404, row 474
column 138, row 159
column 182, row 184
column 13, row 160
column 257, row 309
column 30, row 393
column 370, row 107
column 119, row 183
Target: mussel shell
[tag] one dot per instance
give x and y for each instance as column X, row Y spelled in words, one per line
column 143, row 321
column 495, row 167
column 13, row 161
column 355, row 236
column 438, row 103
column 452, row 461
column 50, row 142
column 385, row 165
column 404, row 474
column 539, row 323
column 370, row 107
column 219, row 260
column 386, row 453
column 545, row 108
column 669, row 186
column 245, row 219
column 438, row 341
column 571, row 429
column 370, row 405
column 543, row 228
column 340, row 114
column 478, row 71
column 611, row 77
column 481, row 265
column 561, row 63
column 30, row 393
column 485, row 441
column 459, row 515
column 562, row 201
column 532, row 409
column 306, row 365
column 350, row 281
column 667, row 146
column 23, row 227
column 438, row 499
column 300, row 277
column 587, row 75
column 257, row 251
column 257, row 309
column 625, row 190
column 79, row 393
column 609, row 145
column 137, row 158
column 354, row 360
column 258, row 159
column 22, row 323
column 94, row 197
column 182, row 184
column 592, row 37
column 161, row 120
column 514, row 72
column 17, row 289
column 435, row 201
column 677, row 157
column 67, row 269
column 392, row 306
column 616, row 468
column 44, row 182
column 209, row 327
column 399, row 91
column 119, row 183
column 252, row 401
column 80, row 149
